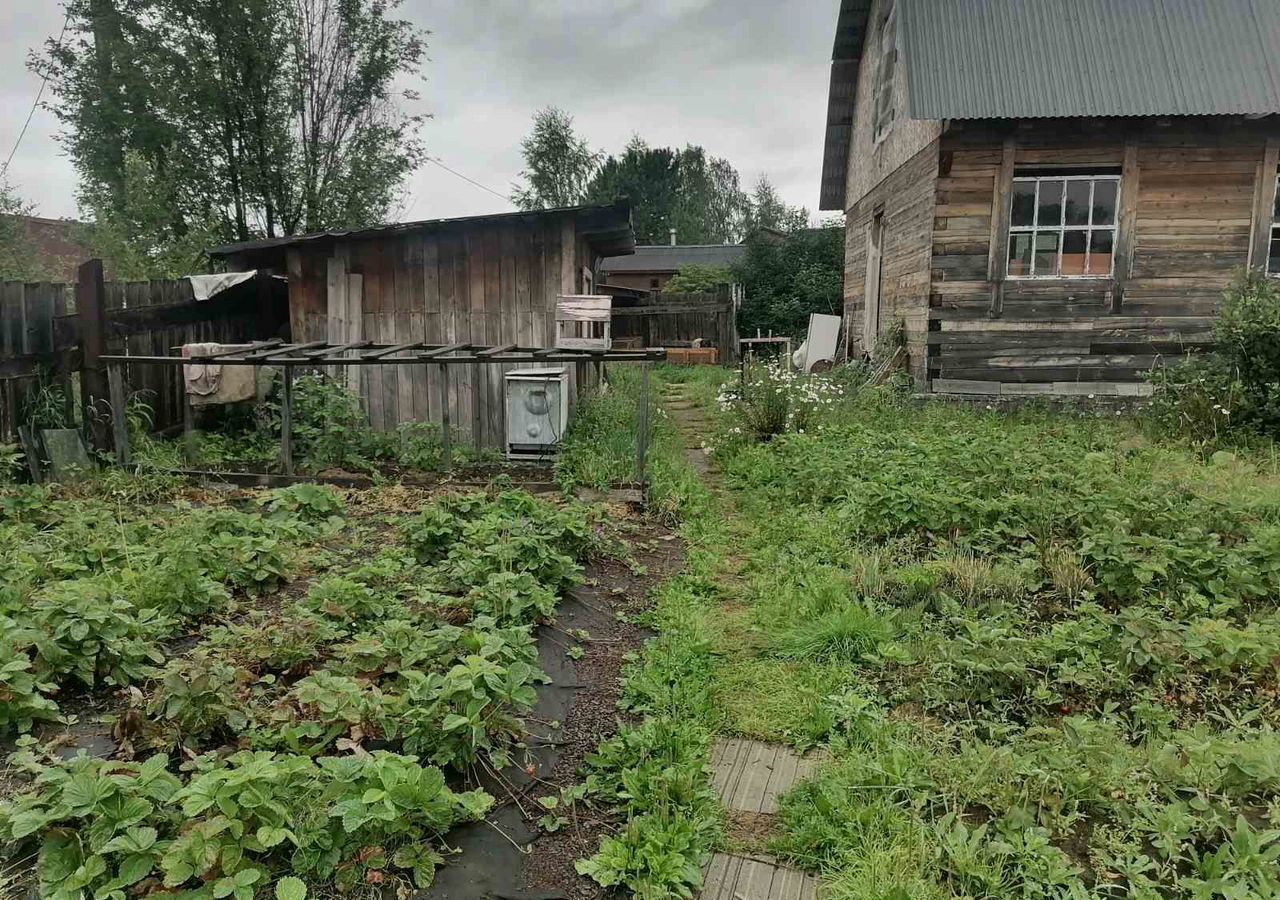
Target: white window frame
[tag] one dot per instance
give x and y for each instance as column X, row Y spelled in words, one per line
column 883, row 111
column 1274, row 234
column 1063, row 228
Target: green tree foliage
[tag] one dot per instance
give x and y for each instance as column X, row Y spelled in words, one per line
column 558, row 163
column 245, row 117
column 698, row 280
column 17, row 261
column 1211, row 397
column 767, row 210
column 788, row 278
column 697, row 194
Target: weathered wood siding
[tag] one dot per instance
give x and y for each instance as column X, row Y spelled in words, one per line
column 872, row 161
column 906, row 199
column 1187, row 206
column 484, row 284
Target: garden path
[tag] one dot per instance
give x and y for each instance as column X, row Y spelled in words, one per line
column 748, row 776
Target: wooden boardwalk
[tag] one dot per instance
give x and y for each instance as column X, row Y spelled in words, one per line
column 750, row 775
column 755, row 878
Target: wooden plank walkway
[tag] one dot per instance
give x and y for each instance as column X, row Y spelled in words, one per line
column 750, row 775
column 755, row 878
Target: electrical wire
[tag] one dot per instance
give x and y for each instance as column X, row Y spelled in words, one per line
column 436, row 160
column 44, row 81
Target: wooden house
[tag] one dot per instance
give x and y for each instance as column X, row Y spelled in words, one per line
column 650, row 268
column 1050, row 196
column 484, row 280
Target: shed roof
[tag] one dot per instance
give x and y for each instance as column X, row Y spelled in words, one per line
column 668, row 258
column 606, row 228
column 1011, row 59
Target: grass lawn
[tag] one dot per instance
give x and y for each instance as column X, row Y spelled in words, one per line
column 1041, row 649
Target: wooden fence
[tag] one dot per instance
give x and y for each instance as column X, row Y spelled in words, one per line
column 679, row 320
column 43, row 335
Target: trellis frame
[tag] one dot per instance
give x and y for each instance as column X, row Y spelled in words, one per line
column 289, row 356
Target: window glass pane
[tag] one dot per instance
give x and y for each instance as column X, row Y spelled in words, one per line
column 1046, row 261
column 1273, row 264
column 1101, row 244
column 1050, row 202
column 1073, row 244
column 1024, row 203
column 1077, row 203
column 1020, row 253
column 1277, row 211
column 1104, row 202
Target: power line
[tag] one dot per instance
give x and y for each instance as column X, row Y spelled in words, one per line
column 66, row 20
column 436, row 160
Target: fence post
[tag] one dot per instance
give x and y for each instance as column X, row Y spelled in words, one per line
column 91, row 308
column 642, row 427
column 286, row 423
column 119, row 424
column 446, row 440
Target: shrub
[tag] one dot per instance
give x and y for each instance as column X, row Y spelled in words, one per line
column 1238, row 384
column 773, row 399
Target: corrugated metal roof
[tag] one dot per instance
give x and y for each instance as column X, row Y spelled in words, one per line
column 665, row 258
column 972, row 59
column 606, row 218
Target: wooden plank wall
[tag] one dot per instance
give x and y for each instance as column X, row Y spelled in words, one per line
column 39, row 335
column 906, row 200
column 485, row 284
column 679, row 319
column 27, row 346
column 1188, row 233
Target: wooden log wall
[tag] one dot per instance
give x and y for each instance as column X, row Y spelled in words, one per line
column 906, row 201
column 485, row 284
column 1187, row 208
column 677, row 320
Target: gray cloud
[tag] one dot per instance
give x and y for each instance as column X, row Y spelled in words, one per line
column 744, row 78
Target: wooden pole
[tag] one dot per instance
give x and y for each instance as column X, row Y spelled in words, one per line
column 642, row 427
column 286, row 423
column 188, row 420
column 446, row 440
column 119, row 423
column 91, row 308
column 29, row 450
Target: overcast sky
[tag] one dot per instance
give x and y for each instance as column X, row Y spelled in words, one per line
column 746, row 79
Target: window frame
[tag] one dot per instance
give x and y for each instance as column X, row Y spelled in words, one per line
column 1062, row 228
column 883, row 110
column 1274, row 234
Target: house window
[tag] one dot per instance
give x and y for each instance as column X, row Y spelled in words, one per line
column 1063, row 226
column 653, row 284
column 1273, row 258
column 884, row 111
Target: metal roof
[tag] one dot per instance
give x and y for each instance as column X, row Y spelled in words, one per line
column 1012, row 59
column 978, row 59
column 846, row 56
column 611, row 221
column 667, row 258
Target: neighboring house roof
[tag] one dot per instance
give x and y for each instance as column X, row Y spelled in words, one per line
column 58, row 245
column 607, row 228
column 1007, row 59
column 670, row 259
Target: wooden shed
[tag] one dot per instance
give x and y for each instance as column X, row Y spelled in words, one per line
column 484, row 280
column 1050, row 197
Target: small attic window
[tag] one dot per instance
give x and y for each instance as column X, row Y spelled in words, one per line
column 883, row 96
